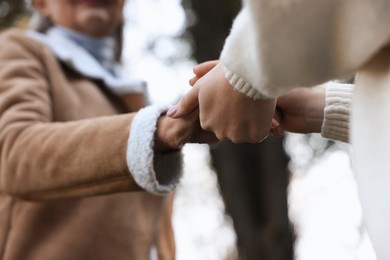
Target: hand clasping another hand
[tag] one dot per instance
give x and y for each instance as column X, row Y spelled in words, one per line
column 224, row 111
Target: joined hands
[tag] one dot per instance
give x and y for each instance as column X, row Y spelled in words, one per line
column 224, row 111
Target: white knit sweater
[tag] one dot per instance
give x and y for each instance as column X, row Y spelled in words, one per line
column 338, row 101
column 280, row 44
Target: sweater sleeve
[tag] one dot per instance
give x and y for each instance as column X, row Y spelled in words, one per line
column 337, row 111
column 41, row 159
column 277, row 45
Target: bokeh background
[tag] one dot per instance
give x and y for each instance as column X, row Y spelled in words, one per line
column 286, row 198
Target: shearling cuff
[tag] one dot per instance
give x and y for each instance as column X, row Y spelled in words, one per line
column 242, row 86
column 337, row 111
column 143, row 163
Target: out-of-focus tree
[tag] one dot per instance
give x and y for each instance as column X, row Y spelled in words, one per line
column 12, row 13
column 253, row 178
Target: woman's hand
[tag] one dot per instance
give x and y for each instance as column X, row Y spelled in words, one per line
column 202, row 69
column 224, row 111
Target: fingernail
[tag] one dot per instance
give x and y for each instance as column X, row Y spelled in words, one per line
column 191, row 81
column 275, row 123
column 172, row 111
column 277, row 129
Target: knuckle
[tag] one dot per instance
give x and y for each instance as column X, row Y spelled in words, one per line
column 205, row 125
column 221, row 136
column 238, row 138
column 236, row 141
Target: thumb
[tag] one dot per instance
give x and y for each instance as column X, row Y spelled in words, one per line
column 187, row 104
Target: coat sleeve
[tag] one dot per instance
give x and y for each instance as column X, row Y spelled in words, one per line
column 41, row 159
column 278, row 45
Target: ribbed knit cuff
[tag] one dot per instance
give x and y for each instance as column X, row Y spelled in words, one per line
column 240, row 85
column 142, row 161
column 337, row 111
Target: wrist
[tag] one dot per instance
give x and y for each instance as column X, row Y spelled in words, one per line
column 314, row 109
column 165, row 139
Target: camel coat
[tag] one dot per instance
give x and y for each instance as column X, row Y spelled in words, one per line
column 65, row 188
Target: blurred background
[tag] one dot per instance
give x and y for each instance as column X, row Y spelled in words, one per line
column 286, row 198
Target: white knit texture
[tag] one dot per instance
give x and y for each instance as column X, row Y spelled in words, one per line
column 337, row 111
column 240, row 85
column 141, row 158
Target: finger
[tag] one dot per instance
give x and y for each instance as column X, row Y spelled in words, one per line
column 202, row 137
column 277, row 118
column 193, row 116
column 276, row 128
column 187, row 104
column 274, row 133
column 201, row 69
column 278, row 132
column 193, row 80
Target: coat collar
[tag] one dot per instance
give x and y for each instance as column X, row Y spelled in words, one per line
column 77, row 58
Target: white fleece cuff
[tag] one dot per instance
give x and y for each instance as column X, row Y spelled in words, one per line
column 143, row 164
column 337, row 111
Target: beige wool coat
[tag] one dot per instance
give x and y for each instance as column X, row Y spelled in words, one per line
column 65, row 187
